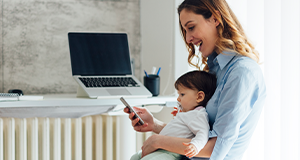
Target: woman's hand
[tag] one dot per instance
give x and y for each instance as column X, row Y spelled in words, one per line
column 151, row 144
column 145, row 115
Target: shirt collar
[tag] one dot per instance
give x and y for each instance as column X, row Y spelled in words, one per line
column 210, row 59
column 222, row 59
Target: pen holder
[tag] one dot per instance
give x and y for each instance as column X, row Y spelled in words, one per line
column 151, row 82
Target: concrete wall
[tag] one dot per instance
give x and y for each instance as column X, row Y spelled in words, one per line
column 34, row 51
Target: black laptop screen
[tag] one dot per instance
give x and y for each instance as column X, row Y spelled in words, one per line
column 99, row 54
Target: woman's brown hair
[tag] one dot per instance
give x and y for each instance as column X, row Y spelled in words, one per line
column 230, row 32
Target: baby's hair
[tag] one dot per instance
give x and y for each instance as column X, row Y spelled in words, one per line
column 199, row 81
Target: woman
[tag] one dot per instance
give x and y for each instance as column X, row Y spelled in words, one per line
column 235, row 107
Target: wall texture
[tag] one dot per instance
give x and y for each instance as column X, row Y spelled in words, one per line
column 34, row 51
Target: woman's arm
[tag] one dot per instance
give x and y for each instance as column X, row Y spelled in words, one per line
column 158, row 126
column 174, row 144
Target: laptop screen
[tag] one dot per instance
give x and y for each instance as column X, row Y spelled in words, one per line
column 99, row 54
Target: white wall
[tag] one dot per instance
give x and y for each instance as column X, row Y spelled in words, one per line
column 161, row 42
column 180, row 53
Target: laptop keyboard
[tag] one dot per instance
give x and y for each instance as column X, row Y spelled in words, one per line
column 109, row 82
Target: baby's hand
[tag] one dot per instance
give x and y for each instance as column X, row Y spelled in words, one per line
column 175, row 111
column 190, row 150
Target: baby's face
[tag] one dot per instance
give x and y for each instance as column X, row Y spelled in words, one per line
column 187, row 98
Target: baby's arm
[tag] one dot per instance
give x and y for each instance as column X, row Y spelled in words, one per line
column 198, row 124
column 190, row 150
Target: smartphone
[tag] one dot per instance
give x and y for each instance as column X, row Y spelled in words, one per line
column 141, row 122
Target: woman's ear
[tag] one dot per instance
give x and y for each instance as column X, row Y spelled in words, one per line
column 200, row 96
column 215, row 19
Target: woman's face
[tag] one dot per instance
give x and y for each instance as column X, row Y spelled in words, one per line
column 200, row 31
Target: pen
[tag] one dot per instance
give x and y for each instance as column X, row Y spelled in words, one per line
column 158, row 71
column 146, row 73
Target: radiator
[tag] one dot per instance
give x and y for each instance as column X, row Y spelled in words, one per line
column 100, row 137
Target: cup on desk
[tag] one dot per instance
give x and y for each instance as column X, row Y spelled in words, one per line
column 151, row 82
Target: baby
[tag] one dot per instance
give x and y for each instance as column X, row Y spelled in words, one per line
column 194, row 89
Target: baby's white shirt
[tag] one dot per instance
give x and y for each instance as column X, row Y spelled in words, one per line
column 192, row 125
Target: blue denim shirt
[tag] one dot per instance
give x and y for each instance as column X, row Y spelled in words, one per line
column 236, row 105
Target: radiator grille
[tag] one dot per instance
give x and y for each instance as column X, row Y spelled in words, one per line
column 101, row 137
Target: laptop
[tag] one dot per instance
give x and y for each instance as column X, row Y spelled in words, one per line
column 101, row 66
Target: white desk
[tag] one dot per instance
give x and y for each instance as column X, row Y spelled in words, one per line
column 69, row 106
